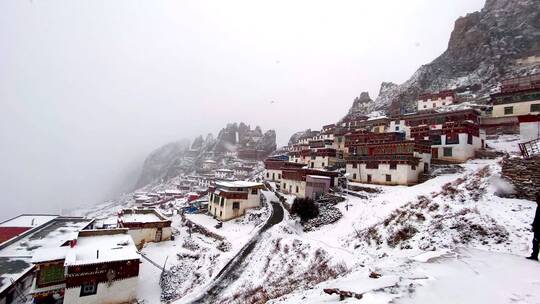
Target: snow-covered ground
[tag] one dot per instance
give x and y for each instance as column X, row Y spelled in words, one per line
column 452, row 239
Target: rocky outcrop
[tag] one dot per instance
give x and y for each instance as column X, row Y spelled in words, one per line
column 482, row 50
column 302, row 134
column 159, row 162
column 181, row 158
column 361, row 104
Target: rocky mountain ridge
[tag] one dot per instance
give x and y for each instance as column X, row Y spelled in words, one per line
column 182, row 157
column 482, row 50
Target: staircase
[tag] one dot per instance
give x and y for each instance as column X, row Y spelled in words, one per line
column 530, row 148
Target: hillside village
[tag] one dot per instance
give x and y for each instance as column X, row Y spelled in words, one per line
column 185, row 239
column 430, row 203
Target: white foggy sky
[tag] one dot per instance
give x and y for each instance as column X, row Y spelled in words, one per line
column 88, row 88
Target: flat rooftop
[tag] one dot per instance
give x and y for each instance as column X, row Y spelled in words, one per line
column 101, row 246
column 16, row 257
column 140, row 218
column 238, row 184
column 28, row 220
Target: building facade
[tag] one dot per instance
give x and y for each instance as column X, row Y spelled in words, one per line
column 228, row 200
column 145, row 225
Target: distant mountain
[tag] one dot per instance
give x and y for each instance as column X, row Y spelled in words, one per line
column 483, row 49
column 180, row 157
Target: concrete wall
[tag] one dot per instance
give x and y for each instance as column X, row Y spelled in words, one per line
column 529, row 130
column 272, row 175
column 289, row 186
column 460, row 152
column 402, row 175
column 148, row 235
column 520, row 108
column 320, row 162
column 122, row 291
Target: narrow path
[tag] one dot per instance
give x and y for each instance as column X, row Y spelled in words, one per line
column 232, row 271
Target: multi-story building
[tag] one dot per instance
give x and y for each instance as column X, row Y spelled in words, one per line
column 518, row 96
column 432, row 101
column 391, row 163
column 274, row 169
column 228, row 200
column 319, row 158
column 455, row 136
column 295, row 181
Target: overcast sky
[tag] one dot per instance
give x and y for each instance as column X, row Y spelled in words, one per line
column 88, row 88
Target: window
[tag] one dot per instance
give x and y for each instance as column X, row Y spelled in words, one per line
column 296, row 189
column 435, row 139
column 88, row 289
column 508, row 110
column 222, row 202
column 279, row 176
column 254, row 191
column 452, row 139
column 535, row 107
column 413, row 167
column 393, row 166
column 425, row 106
column 354, row 176
column 220, row 213
column 51, row 274
column 388, row 177
column 397, row 128
column 469, row 139
column 323, row 164
column 312, row 165
column 355, row 165
column 369, row 178
column 447, row 152
column 434, row 105
column 267, row 174
column 273, row 176
column 285, row 186
column 236, row 205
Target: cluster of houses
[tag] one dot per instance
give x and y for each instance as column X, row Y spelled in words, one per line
column 56, row 259
column 400, row 149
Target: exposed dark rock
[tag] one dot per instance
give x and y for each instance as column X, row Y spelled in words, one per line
column 482, row 50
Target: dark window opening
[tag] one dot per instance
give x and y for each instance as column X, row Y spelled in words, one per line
column 88, row 289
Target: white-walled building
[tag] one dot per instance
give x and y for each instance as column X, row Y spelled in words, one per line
column 454, row 136
column 433, row 101
column 228, row 200
column 145, row 225
column 390, row 163
column 209, row 164
column 99, row 266
column 225, row 174
column 273, row 169
column 294, row 180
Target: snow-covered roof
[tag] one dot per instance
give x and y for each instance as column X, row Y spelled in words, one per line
column 319, row 176
column 18, row 255
column 225, row 170
column 140, row 218
column 28, row 220
column 209, row 161
column 49, row 254
column 102, row 246
column 238, row 184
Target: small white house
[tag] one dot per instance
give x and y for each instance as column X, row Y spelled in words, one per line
column 101, row 266
column 228, row 200
column 145, row 225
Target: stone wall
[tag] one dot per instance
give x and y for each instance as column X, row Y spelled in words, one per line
column 524, row 174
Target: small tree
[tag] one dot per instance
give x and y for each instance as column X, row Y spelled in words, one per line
column 305, row 208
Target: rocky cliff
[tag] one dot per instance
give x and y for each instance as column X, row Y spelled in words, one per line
column 483, row 49
column 180, row 157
